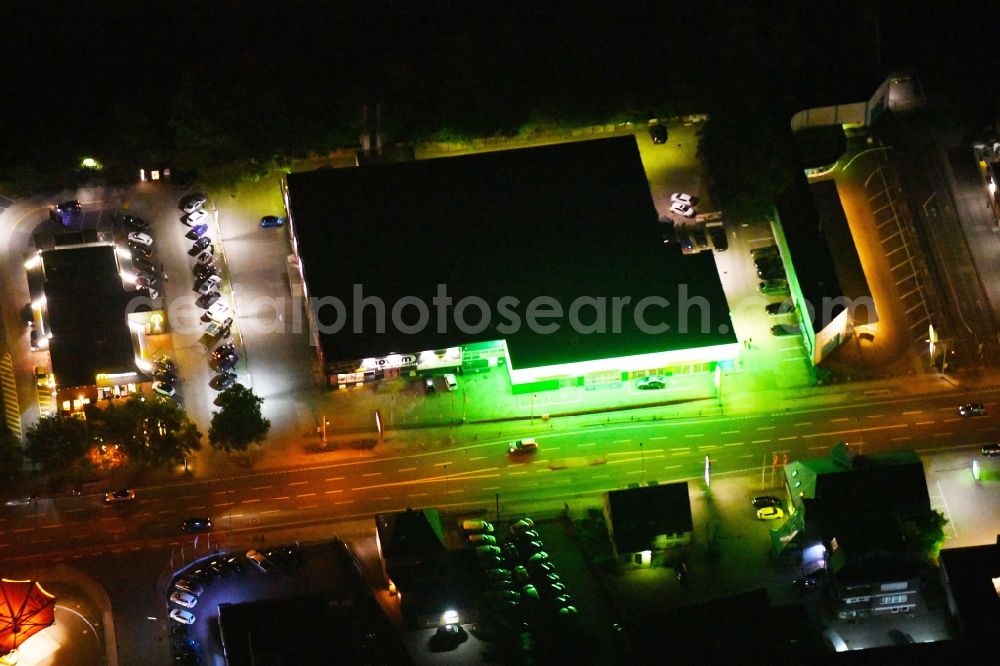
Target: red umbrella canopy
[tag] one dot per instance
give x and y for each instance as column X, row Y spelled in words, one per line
column 25, row 609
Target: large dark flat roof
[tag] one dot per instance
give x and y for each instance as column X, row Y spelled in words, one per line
column 566, row 220
column 86, row 302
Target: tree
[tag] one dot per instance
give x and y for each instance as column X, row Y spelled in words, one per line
column 11, row 456
column 56, row 442
column 238, row 423
column 923, row 534
column 153, row 433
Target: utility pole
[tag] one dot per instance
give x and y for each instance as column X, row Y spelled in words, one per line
column 642, row 458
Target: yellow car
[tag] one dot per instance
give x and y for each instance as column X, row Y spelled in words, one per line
column 770, row 513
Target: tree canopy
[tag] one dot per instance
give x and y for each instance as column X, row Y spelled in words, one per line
column 11, row 456
column 57, row 442
column 153, row 433
column 239, row 422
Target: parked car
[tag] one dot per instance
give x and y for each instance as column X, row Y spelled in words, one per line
column 521, row 525
column 651, row 382
column 770, row 513
column 521, row 575
column 206, row 300
column 206, row 256
column 542, row 568
column 717, row 234
column 658, row 133
column 196, row 217
column 224, row 350
column 163, row 362
column 482, row 539
column 523, row 446
column 540, row 556
column 477, row 526
column 972, row 409
column 189, row 586
column 259, row 562
column 552, row 589
column 164, row 376
column 193, row 202
column 218, row 311
column 782, row 330
column 499, row 574
column 182, row 616
column 216, row 329
column 271, row 221
column 219, row 568
column 197, row 524
column 183, row 599
column 684, row 198
column 682, row 209
column 136, row 222
column 487, row 550
column 769, row 287
column 208, row 285
column 223, row 381
column 531, row 547
column 448, row 636
column 196, row 232
column 767, row 251
column 202, row 243
column 527, row 535
column 140, row 239
column 761, row 501
column 142, row 252
column 164, row 389
column 780, row 308
column 202, row 271
column 511, row 552
column 233, row 564
column 227, row 363
column 119, row 496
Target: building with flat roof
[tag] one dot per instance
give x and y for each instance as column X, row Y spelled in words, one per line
column 547, row 261
column 643, row 522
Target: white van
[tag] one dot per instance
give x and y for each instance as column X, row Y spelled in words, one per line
column 451, row 381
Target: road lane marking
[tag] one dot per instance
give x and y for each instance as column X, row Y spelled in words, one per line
column 734, row 444
column 700, row 434
column 766, row 428
column 23, row 529
column 589, row 444
column 803, row 423
column 333, row 492
column 730, row 432
column 73, row 510
column 250, row 501
column 270, row 511
column 785, row 439
column 183, row 497
column 653, row 439
column 620, row 441
column 298, row 483
column 305, row 495
column 477, row 458
column 281, row 498
column 371, row 474
column 223, row 504
column 442, row 464
column 671, row 467
column 405, row 469
column 345, row 502
column 340, row 478
column 857, row 430
column 900, row 439
column 759, row 441
column 840, row 420
column 951, row 420
column 417, row 495
column 260, row 487
column 924, row 423
column 942, row 434
column 308, row 506
column 913, row 411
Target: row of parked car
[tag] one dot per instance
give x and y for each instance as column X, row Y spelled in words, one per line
column 207, row 280
column 518, row 571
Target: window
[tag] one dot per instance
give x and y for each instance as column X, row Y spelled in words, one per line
column 893, row 599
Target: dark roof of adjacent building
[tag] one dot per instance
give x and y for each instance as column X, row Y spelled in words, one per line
column 811, row 261
column 846, row 262
column 347, row 626
column 86, row 302
column 836, row 496
column 639, row 515
column 568, row 220
column 411, row 535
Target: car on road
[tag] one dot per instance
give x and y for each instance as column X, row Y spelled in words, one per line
column 768, row 287
column 199, row 524
column 140, row 239
column 523, row 447
column 652, row 382
column 770, row 513
column 761, row 501
column 206, row 256
column 223, row 381
column 193, row 202
column 183, row 599
column 164, row 389
column 196, row 232
column 781, row 330
column 119, row 496
column 202, row 243
column 189, row 586
column 780, row 308
column 718, row 236
column 271, row 221
column 682, row 209
column 972, row 409
column 991, row 450
column 658, row 133
column 135, row 222
column 684, row 198
column 182, row 616
column 67, row 213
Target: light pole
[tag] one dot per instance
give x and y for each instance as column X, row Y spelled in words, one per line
column 642, row 459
